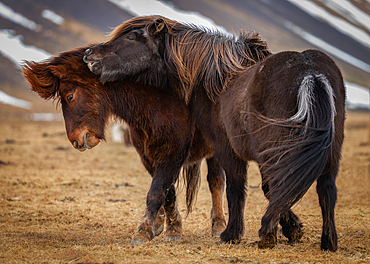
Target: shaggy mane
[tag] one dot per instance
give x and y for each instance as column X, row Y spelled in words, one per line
column 200, row 57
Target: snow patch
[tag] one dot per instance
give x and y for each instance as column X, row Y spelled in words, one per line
column 44, row 117
column 7, row 99
column 323, row 45
column 52, row 16
column 357, row 96
column 341, row 25
column 8, row 13
column 351, row 12
column 152, row 7
column 13, row 48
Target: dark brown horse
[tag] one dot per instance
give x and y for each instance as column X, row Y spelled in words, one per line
column 161, row 129
column 285, row 111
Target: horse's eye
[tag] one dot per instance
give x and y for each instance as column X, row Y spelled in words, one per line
column 69, row 98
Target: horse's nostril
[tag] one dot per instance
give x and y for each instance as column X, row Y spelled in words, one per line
column 75, row 143
column 88, row 52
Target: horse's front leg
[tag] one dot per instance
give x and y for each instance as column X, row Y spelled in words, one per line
column 162, row 183
column 154, row 201
column 170, row 215
column 173, row 217
column 236, row 181
column 159, row 222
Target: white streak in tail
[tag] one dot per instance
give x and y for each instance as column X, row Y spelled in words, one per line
column 330, row 92
column 306, row 99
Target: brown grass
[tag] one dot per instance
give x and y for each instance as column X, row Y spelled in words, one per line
column 62, row 206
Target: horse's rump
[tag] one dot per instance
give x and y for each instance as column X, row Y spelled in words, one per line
column 296, row 114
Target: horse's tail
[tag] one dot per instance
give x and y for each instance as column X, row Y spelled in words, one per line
column 192, row 179
column 295, row 164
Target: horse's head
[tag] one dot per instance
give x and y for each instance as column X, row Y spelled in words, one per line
column 66, row 79
column 135, row 47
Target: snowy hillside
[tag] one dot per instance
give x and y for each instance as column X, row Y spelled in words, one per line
column 19, row 31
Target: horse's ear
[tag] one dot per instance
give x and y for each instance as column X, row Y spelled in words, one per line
column 59, row 71
column 156, row 26
column 41, row 79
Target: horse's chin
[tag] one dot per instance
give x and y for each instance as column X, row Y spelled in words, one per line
column 86, row 147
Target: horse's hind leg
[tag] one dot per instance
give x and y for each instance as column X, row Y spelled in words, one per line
column 173, row 217
column 276, row 212
column 236, row 180
column 290, row 222
column 269, row 224
column 291, row 226
column 216, row 183
column 327, row 191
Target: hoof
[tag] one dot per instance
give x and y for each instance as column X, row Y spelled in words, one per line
column 229, row 242
column 296, row 236
column 332, row 248
column 218, row 226
column 137, row 242
column 173, row 238
column 269, row 241
column 329, row 244
column 158, row 230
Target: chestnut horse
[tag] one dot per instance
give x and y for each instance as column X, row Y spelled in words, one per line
column 160, row 125
column 285, row 111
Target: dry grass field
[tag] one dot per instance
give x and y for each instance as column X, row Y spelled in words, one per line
column 58, row 205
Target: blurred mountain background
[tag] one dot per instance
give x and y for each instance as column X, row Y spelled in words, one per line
column 36, row 29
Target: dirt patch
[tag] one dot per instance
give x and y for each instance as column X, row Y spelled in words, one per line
column 62, row 206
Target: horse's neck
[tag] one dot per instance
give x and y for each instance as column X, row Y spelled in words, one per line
column 128, row 104
column 122, row 100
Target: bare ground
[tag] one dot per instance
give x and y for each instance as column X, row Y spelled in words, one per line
column 62, row 206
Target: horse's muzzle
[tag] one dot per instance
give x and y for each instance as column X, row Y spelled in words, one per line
column 85, row 144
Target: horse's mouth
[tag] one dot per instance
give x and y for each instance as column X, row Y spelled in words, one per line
column 93, row 65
